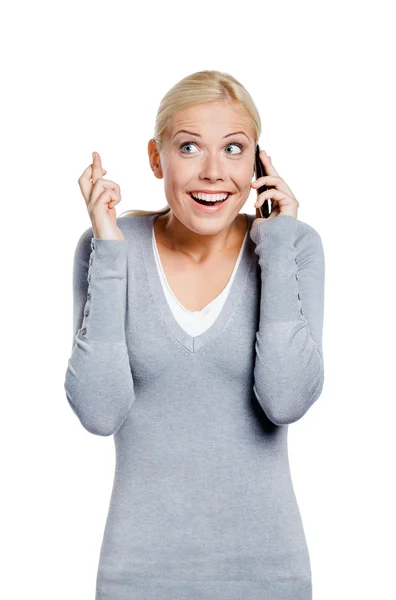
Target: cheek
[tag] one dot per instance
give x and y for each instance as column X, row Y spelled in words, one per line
column 242, row 172
column 177, row 168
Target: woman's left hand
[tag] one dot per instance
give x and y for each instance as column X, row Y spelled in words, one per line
column 282, row 198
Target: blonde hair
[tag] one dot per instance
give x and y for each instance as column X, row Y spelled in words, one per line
column 197, row 88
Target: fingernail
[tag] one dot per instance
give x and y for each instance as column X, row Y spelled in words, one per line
column 93, row 155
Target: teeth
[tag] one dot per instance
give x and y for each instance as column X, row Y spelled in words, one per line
column 209, row 197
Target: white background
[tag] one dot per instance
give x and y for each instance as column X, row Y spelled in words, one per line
column 87, row 76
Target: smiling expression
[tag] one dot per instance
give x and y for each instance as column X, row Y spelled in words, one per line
column 209, row 147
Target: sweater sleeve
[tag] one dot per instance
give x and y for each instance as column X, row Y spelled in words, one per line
column 98, row 381
column 289, row 369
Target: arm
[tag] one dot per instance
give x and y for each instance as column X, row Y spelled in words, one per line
column 289, row 370
column 98, row 381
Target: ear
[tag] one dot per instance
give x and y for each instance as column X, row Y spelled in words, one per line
column 154, row 158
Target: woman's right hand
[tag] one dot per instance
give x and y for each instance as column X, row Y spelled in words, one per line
column 101, row 196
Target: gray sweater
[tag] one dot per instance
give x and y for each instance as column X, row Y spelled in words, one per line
column 203, row 505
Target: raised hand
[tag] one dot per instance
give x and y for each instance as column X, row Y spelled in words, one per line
column 101, row 196
column 283, row 200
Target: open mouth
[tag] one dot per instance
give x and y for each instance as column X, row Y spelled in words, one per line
column 208, row 203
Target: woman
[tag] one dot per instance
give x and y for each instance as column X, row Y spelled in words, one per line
column 197, row 340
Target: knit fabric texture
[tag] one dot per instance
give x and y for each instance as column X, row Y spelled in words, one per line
column 203, row 505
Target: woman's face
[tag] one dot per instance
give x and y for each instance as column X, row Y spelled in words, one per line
column 212, row 160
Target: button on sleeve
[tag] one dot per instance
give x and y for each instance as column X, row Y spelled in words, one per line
column 98, row 381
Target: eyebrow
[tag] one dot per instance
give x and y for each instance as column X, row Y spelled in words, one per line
column 197, row 134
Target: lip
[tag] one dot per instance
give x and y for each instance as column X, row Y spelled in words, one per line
column 209, row 192
column 208, row 209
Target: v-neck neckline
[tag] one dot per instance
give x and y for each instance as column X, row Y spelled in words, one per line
column 194, row 343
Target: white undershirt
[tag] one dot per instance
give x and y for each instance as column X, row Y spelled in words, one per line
column 197, row 321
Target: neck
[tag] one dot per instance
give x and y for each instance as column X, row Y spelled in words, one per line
column 177, row 237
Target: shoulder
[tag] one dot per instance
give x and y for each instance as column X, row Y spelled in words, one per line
column 289, row 230
column 287, row 227
column 131, row 227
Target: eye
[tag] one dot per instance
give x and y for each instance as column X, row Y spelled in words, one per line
column 186, row 144
column 240, row 146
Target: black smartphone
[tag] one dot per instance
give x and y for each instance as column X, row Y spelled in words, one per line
column 264, row 210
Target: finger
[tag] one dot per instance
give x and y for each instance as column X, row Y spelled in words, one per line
column 103, row 184
column 267, row 162
column 109, row 196
column 274, row 208
column 85, row 182
column 275, row 180
column 265, row 180
column 96, row 166
column 274, row 194
column 87, row 173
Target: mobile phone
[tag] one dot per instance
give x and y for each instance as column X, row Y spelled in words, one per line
column 264, row 210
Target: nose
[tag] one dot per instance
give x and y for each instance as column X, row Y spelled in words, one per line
column 213, row 168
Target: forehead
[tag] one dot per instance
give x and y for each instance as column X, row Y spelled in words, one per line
column 212, row 117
